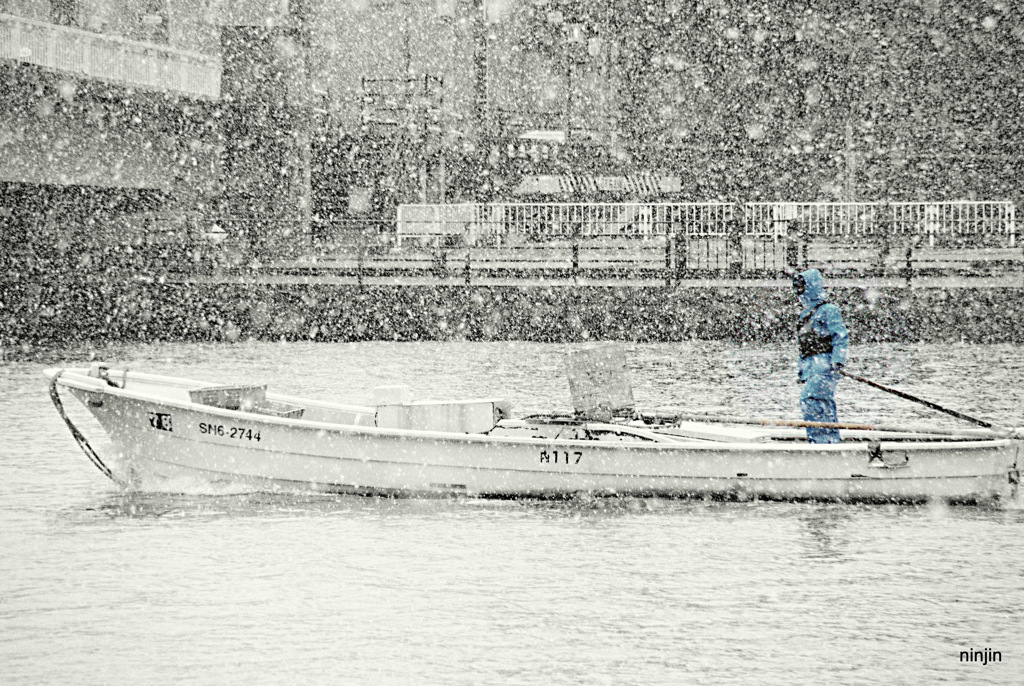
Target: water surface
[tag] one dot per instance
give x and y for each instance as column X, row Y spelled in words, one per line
column 99, row 586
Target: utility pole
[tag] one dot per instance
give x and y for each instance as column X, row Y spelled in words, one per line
column 851, row 165
column 480, row 71
column 568, row 90
column 572, row 35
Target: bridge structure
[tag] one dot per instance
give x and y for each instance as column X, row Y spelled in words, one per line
column 116, row 128
column 90, row 113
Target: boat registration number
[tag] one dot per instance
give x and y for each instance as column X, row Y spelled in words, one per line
column 239, row 432
column 561, row 456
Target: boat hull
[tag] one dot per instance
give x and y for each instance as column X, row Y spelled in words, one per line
column 172, row 445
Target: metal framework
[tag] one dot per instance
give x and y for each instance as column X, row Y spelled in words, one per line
column 955, row 221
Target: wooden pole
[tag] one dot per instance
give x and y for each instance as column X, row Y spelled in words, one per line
column 797, row 423
column 922, row 401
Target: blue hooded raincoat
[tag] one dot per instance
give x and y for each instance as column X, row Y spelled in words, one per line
column 824, row 340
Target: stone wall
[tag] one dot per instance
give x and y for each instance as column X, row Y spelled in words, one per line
column 61, row 312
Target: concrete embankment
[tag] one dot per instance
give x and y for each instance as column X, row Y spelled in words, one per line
column 336, row 312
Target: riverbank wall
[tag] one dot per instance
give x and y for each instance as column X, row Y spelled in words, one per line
column 197, row 312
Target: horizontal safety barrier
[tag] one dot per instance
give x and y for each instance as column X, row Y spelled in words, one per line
column 368, row 252
column 940, row 223
column 503, row 222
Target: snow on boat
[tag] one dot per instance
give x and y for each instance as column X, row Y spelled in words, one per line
column 166, row 431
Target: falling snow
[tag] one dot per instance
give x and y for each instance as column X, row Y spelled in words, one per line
column 236, row 170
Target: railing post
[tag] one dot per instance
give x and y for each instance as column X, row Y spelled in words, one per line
column 792, row 248
column 360, row 256
column 468, row 272
column 670, row 239
column 575, row 262
column 1011, row 227
column 734, row 248
column 682, row 250
column 909, row 270
column 884, row 227
column 440, row 261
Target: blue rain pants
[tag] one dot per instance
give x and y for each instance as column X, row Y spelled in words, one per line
column 820, row 410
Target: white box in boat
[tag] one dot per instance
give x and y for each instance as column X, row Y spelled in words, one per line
column 470, row 416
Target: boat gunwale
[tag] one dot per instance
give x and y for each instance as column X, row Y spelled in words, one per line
column 78, row 378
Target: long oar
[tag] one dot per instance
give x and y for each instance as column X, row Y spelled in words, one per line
column 926, row 403
column 797, row 423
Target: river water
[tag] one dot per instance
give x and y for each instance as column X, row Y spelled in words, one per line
column 101, row 587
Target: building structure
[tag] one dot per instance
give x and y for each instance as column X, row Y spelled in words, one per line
column 286, row 121
column 105, row 114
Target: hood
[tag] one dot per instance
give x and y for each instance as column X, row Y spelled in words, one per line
column 814, row 291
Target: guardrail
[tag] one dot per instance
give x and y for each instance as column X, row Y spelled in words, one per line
column 950, row 222
column 94, row 55
column 940, row 223
column 985, row 222
column 495, row 246
column 361, row 251
column 503, row 223
column 818, row 219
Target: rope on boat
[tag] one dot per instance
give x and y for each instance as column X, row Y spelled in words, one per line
column 83, row 443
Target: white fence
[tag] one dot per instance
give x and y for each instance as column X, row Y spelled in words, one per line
column 94, row 55
column 541, row 221
column 967, row 222
column 502, row 222
column 832, row 219
column 963, row 221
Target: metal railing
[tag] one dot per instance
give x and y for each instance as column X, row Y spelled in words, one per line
column 498, row 223
column 95, row 55
column 978, row 222
column 692, row 240
column 813, row 218
column 943, row 222
column 501, row 243
column 986, row 221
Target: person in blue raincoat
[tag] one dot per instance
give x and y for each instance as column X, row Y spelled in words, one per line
column 823, row 340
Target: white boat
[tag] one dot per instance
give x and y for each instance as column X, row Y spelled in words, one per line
column 165, row 432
